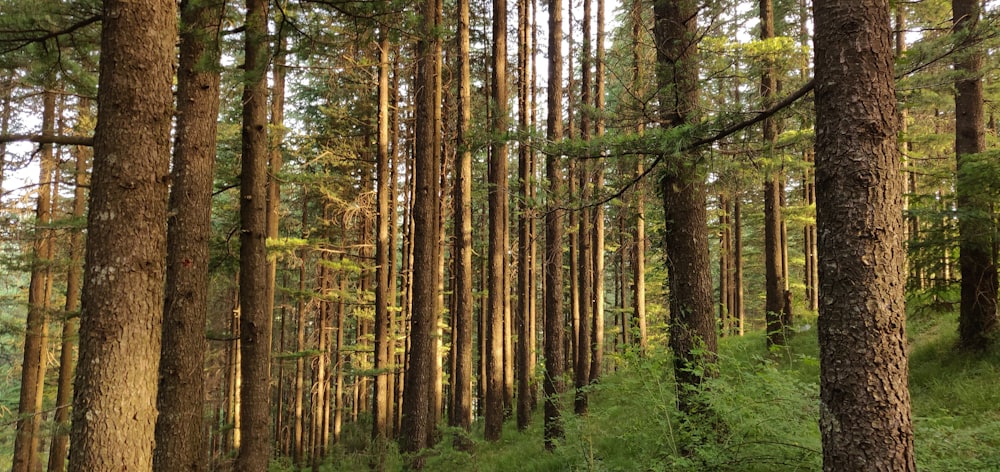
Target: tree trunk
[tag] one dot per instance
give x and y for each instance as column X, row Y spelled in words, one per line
column 114, row 406
column 74, row 277
column 585, row 235
column 180, row 442
column 978, row 311
column 495, row 399
column 598, row 217
column 273, row 215
column 554, row 360
column 774, row 283
column 36, row 333
column 524, row 236
column 416, row 426
column 255, row 320
column 865, row 414
column 383, row 344
column 639, row 264
column 692, row 323
column 461, row 416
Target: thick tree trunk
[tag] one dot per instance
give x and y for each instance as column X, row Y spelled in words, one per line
column 977, row 241
column 255, row 319
column 692, row 323
column 554, row 360
column 180, row 442
column 865, row 414
column 36, row 333
column 114, row 406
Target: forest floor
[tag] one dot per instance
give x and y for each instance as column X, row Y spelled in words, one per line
column 763, row 415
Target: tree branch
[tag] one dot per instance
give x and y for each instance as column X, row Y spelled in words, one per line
column 49, row 139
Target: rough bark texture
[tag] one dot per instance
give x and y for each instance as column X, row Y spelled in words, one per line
column 180, row 438
column 692, row 320
column 554, row 358
column 585, row 235
column 865, row 404
column 383, row 351
column 255, row 319
column 417, row 393
column 74, row 277
column 774, row 280
column 977, row 263
column 114, row 403
column 597, row 350
column 36, row 333
column 495, row 399
column 462, row 414
column 524, row 235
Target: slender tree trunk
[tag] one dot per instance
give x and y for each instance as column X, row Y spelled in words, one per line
column 298, row 393
column 338, row 359
column 865, row 415
column 692, row 324
column 74, row 276
column 977, row 264
column 180, row 442
column 597, row 361
column 383, row 349
column 273, row 214
column 6, row 111
column 114, row 407
column 255, row 320
column 416, row 426
column 554, row 360
column 523, row 312
column 36, row 334
column 774, row 283
column 495, row 398
column 639, row 264
column 585, row 236
column 461, row 416
column 533, row 282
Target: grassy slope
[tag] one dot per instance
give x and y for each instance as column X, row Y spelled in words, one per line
column 766, row 410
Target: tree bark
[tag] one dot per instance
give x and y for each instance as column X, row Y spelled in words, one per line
column 597, row 352
column 774, row 280
column 865, row 405
column 36, row 333
column 416, row 426
column 180, row 441
column 74, row 277
column 639, row 265
column 255, row 320
column 464, row 304
column 495, row 398
column 692, row 323
column 524, row 235
column 114, row 406
column 383, row 349
column 554, row 360
column 977, row 264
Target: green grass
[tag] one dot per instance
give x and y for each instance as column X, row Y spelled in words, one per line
column 763, row 414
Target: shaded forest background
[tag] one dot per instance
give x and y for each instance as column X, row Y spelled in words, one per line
column 385, row 239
